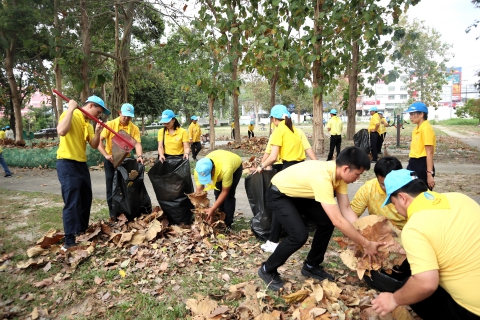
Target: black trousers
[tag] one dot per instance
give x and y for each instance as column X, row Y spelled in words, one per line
column 275, row 225
column 374, row 138
column 419, row 165
column 250, row 134
column 196, row 147
column 287, row 211
column 440, row 305
column 233, row 133
column 228, row 206
column 109, row 174
column 335, row 143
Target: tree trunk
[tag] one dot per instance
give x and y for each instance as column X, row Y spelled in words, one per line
column 318, row 83
column 211, row 102
column 56, row 68
column 86, row 47
column 273, row 88
column 15, row 94
column 235, row 95
column 352, row 91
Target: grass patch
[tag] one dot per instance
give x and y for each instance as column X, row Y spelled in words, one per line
column 458, row 122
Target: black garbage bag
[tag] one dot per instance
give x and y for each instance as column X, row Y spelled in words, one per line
column 256, row 185
column 361, row 139
column 171, row 180
column 130, row 195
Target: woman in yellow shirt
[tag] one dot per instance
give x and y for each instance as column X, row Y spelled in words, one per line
column 250, row 129
column 172, row 139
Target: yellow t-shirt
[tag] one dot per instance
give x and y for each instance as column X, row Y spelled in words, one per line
column 371, row 196
column 373, row 122
column 381, row 128
column 336, row 125
column 290, row 143
column 443, row 233
column 268, row 150
column 2, row 134
column 73, row 144
column 251, row 127
column 226, row 163
column 423, row 135
column 194, row 132
column 173, row 145
column 306, row 145
column 116, row 126
column 311, row 180
column 233, row 125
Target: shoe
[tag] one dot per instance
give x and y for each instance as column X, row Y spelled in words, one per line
column 269, row 246
column 8, row 175
column 373, row 161
column 272, row 280
column 65, row 247
column 317, row 273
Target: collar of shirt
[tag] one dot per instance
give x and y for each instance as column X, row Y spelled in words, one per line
column 428, row 200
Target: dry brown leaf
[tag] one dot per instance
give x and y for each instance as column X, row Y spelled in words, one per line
column 34, row 315
column 202, row 306
column 37, row 250
column 331, row 290
column 296, row 296
column 153, row 229
column 51, row 237
column 44, row 283
column 401, row 313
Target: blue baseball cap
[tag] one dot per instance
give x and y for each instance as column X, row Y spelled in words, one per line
column 99, row 101
column 194, row 118
column 127, row 110
column 279, row 111
column 167, row 115
column 380, row 112
column 252, row 122
column 373, row 109
column 204, row 170
column 7, row 127
column 3, row 129
column 417, row 107
column 395, row 180
column 333, row 111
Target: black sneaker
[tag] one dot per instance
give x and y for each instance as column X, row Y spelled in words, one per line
column 65, row 247
column 8, row 175
column 317, row 273
column 272, row 280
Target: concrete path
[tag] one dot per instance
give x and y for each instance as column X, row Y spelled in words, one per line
column 469, row 140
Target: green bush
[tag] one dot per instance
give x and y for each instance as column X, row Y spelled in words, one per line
column 458, row 122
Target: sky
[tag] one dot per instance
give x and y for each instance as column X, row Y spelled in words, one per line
column 450, row 18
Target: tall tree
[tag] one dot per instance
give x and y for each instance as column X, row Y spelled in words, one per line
column 423, row 57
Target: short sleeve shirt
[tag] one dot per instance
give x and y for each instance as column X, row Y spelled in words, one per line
column 290, row 143
column 373, row 122
column 115, row 124
column 194, row 132
column 336, row 125
column 311, row 180
column 73, row 144
column 423, row 135
column 173, row 143
column 225, row 163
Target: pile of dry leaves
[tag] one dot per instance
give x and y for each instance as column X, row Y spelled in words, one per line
column 255, row 145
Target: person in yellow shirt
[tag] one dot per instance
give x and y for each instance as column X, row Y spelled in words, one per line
column 75, row 131
column 172, row 139
column 335, row 127
column 374, row 135
column 382, row 131
column 250, row 129
column 233, row 128
column 220, row 170
column 9, row 133
column 309, row 188
column 422, row 147
column 122, row 122
column 2, row 134
column 194, row 133
column 8, row 173
column 442, row 242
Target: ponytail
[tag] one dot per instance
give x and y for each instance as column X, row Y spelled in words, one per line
column 288, row 123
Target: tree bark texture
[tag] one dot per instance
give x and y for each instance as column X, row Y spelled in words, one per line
column 211, row 102
column 86, row 47
column 352, row 91
column 15, row 94
column 318, row 136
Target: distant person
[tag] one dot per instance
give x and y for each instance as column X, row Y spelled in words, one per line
column 75, row 131
column 233, row 128
column 9, row 133
column 442, row 241
column 250, row 129
column 8, row 173
column 220, row 170
column 422, row 147
column 382, row 131
column 335, row 127
column 194, row 134
column 172, row 139
column 309, row 188
column 374, row 135
column 2, row 134
column 122, row 122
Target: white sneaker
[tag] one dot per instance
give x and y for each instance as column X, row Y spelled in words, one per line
column 269, row 246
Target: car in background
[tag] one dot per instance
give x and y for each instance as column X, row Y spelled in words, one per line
column 46, row 133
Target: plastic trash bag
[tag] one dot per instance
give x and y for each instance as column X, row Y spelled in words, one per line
column 361, row 139
column 256, row 185
column 171, row 180
column 130, row 195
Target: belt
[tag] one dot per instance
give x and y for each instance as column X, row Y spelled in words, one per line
column 274, row 188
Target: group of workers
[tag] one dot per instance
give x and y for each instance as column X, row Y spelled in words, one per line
column 440, row 232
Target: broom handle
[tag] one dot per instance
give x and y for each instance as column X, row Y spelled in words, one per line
column 94, row 119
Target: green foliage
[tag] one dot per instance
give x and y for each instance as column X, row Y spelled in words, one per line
column 470, row 109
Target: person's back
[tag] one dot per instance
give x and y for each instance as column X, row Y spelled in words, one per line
column 443, row 232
